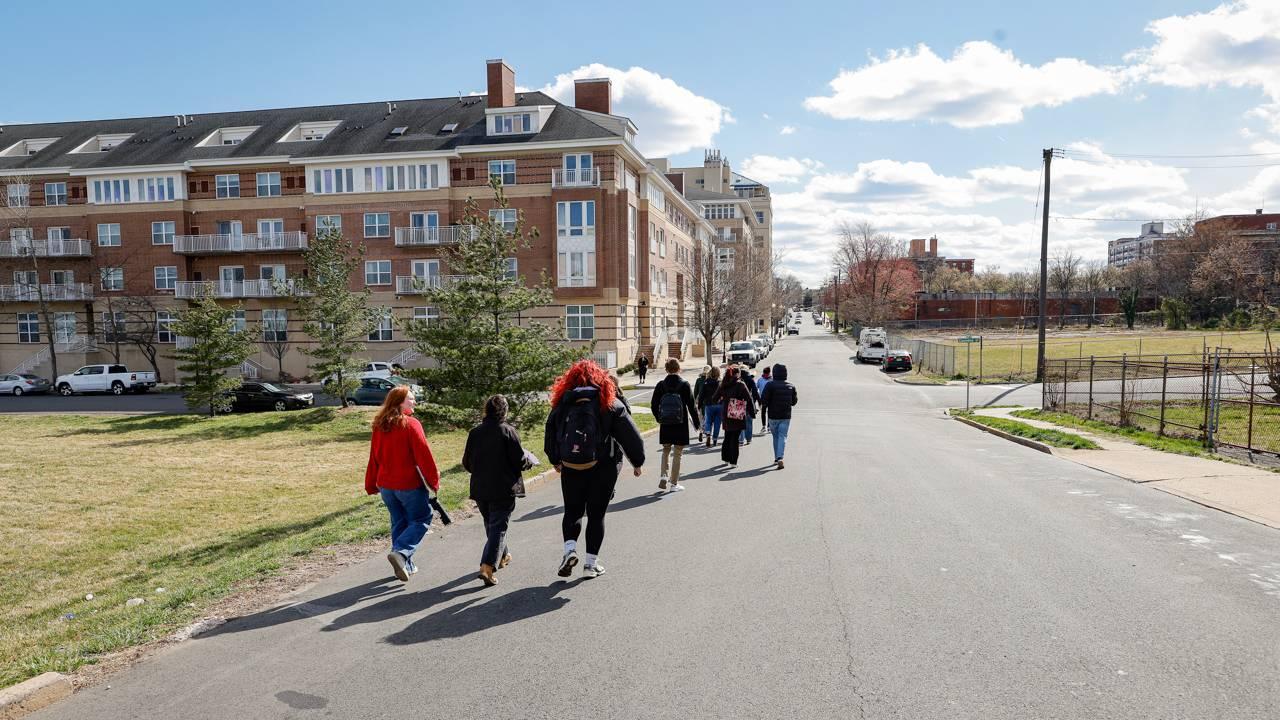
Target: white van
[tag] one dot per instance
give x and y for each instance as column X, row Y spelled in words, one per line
column 872, row 344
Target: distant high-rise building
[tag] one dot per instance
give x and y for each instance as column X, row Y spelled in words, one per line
column 1122, row 251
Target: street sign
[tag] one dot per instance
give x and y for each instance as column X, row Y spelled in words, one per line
column 970, row 339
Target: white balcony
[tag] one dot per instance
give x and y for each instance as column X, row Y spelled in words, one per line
column 426, row 236
column 52, row 293
column 414, row 285
column 583, row 177
column 46, row 248
column 292, row 241
column 191, row 290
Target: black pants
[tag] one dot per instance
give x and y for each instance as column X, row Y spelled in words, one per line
column 588, row 492
column 497, row 516
column 764, row 417
column 729, row 450
column 642, row 372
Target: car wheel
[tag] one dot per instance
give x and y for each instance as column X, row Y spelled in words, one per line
column 117, row 388
column 65, row 390
column 281, row 406
column 17, row 392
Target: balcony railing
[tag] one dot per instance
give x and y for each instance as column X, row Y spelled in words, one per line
column 292, row 241
column 46, row 248
column 415, row 285
column 584, row 177
column 191, row 290
column 447, row 235
column 52, row 293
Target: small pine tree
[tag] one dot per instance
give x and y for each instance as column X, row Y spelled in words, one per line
column 337, row 320
column 216, row 346
column 481, row 343
column 1129, row 306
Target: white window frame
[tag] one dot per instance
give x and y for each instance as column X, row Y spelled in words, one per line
column 57, row 190
column 506, row 217
column 513, row 124
column 385, row 329
column 633, row 265
column 163, row 232
column 380, row 230
column 109, row 235
column 574, row 326
column 58, row 232
column 19, row 195
column 224, row 185
column 268, row 184
column 275, row 324
column 166, row 277
column 112, row 279
column 62, row 277
column 164, row 326
column 31, row 321
column 374, row 269
column 622, row 322
column 502, row 171
column 426, row 314
column 513, row 269
column 327, row 222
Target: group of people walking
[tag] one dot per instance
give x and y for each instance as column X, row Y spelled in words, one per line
column 589, row 433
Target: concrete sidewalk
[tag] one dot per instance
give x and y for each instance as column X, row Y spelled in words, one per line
column 1247, row 492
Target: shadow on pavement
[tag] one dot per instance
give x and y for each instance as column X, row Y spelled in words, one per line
column 738, row 475
column 637, row 501
column 545, row 511
column 402, row 604
column 297, row 611
column 473, row 615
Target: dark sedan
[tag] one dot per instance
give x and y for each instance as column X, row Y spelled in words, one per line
column 23, row 384
column 252, row 396
column 372, row 391
column 897, row 360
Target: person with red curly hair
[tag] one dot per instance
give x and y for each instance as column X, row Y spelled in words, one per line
column 588, row 433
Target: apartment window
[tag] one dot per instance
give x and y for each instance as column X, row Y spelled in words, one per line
column 19, row 195
column 328, row 223
column 268, row 184
column 395, row 178
column 25, row 278
column 62, row 277
column 166, row 277
column 112, row 278
column 513, row 269
column 341, row 180
column 227, row 186
column 576, row 219
column 58, row 233
column 760, row 217
column 383, row 332
column 662, row 242
column 633, row 218
column 162, row 232
column 653, row 238
column 575, row 244
column 580, row 321
column 113, row 325
column 506, row 217
column 504, row 170
column 164, row 326
column 237, row 321
column 28, row 327
column 426, row 315
column 275, row 325
column 377, row 272
column 622, row 322
column 108, row 234
column 512, row 123
column 55, row 193
column 377, row 225
column 1271, row 226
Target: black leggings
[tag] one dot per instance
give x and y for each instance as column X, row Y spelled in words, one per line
column 588, row 492
column 729, row 450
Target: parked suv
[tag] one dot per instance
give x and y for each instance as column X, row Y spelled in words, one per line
column 743, row 352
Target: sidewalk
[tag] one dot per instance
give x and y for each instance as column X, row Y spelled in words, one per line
column 1244, row 491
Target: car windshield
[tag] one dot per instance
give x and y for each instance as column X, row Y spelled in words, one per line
column 401, row 380
column 268, row 387
column 741, row 346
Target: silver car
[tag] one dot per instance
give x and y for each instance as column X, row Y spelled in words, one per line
column 23, row 384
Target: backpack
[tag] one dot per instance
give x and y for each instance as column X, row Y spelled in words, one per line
column 670, row 409
column 580, row 435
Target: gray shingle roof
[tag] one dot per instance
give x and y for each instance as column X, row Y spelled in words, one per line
column 365, row 129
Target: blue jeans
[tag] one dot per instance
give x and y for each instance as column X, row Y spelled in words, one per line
column 410, row 517
column 745, row 437
column 779, row 428
column 712, row 415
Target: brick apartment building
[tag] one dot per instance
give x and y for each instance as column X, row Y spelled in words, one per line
column 926, row 258
column 175, row 207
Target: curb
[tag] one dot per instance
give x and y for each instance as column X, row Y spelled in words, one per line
column 1034, row 445
column 31, row 695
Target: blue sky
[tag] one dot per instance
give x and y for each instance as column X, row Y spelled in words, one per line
column 933, row 126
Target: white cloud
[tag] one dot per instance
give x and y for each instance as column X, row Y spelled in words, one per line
column 979, row 85
column 671, row 118
column 765, row 116
column 1235, row 44
column 769, row 169
column 787, row 130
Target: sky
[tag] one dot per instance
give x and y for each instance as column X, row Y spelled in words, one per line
column 923, row 118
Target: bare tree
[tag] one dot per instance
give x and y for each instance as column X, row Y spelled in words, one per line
column 1095, row 277
column 991, row 280
column 15, row 221
column 277, row 345
column 1064, row 274
column 138, row 325
column 880, row 277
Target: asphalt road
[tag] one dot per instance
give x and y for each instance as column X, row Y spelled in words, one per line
column 902, row 566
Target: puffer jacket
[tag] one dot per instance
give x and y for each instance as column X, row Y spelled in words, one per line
column 779, row 396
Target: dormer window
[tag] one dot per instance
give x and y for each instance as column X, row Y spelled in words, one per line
column 27, row 147
column 227, row 136
column 512, row 124
column 310, row 131
column 102, row 143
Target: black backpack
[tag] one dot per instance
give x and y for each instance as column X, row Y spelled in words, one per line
column 580, row 435
column 670, row 409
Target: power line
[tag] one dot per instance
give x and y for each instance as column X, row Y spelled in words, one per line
column 1123, row 220
column 1175, row 157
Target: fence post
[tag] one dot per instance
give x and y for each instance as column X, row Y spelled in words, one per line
column 1020, row 347
column 1253, row 371
column 979, row 359
column 1124, row 371
column 1164, row 385
column 1090, row 413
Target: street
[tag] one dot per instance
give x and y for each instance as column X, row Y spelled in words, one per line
column 902, row 566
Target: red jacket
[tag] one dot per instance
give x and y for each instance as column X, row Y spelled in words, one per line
column 396, row 457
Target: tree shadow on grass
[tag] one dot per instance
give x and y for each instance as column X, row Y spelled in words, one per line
column 473, row 615
column 182, row 428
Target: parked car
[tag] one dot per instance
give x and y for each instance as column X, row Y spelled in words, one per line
column 23, row 384
column 762, row 348
column 817, row 320
column 744, row 352
column 897, row 360
column 265, row 396
column 373, row 391
column 793, row 329
column 115, row 379
column 872, row 344
column 372, row 370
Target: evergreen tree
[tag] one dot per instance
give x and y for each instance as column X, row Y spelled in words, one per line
column 216, row 346
column 482, row 342
column 337, row 319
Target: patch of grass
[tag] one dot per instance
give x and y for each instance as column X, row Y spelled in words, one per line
column 1056, row 438
column 1181, row 446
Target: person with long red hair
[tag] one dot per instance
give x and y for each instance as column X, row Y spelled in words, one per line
column 588, row 433
column 402, row 470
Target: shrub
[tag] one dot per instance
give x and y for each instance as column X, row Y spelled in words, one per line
column 1175, row 313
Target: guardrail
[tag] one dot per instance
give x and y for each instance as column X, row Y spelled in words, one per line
column 292, row 241
column 46, row 248
column 583, row 177
column 191, row 290
column 428, row 236
column 52, row 293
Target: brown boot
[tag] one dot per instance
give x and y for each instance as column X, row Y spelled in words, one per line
column 486, row 574
column 505, row 561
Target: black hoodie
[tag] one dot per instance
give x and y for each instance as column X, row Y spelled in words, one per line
column 620, row 434
column 779, row 395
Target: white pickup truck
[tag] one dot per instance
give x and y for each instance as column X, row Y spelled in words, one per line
column 115, row 379
column 871, row 345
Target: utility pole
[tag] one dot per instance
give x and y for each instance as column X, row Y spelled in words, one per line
column 835, row 284
column 1044, row 266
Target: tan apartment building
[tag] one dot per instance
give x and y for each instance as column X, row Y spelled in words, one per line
column 154, row 212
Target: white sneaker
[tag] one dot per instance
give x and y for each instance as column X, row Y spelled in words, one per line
column 399, row 565
column 677, row 487
column 593, row 570
column 567, row 563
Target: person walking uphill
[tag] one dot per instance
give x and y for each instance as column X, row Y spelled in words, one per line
column 642, row 367
column 495, row 459
column 735, row 399
column 779, row 397
column 402, row 470
column 587, row 435
column 764, row 379
column 708, row 403
column 672, row 403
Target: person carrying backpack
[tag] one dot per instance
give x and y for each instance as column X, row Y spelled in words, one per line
column 764, row 409
column 779, row 397
column 672, row 403
column 587, row 435
column 495, row 459
column 735, row 399
column 712, row 413
column 642, row 367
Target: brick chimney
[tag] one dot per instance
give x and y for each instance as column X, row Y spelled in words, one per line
column 593, row 94
column 933, row 247
column 502, row 84
column 917, row 248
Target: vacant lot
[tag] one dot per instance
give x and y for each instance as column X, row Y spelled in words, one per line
column 119, row 507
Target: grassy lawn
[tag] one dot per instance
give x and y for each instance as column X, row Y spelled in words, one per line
column 1056, row 438
column 121, row 506
column 1141, row 436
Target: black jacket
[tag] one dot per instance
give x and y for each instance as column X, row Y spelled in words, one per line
column 779, row 395
column 734, row 390
column 495, row 460
column 708, row 394
column 621, row 437
column 674, row 434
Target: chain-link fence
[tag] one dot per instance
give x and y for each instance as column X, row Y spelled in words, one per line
column 1220, row 398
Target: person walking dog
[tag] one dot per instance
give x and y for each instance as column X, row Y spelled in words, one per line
column 402, row 470
column 587, row 435
column 673, row 406
column 735, row 399
column 495, row 459
column 779, row 397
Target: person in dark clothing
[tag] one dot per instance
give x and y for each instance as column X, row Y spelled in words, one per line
column 764, row 409
column 779, row 397
column 583, row 401
column 712, row 413
column 697, row 396
column 750, row 382
column 495, row 459
column 642, row 367
column 672, row 396
column 735, row 400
